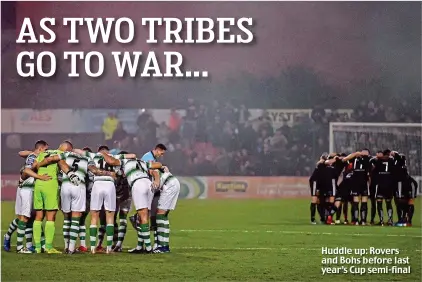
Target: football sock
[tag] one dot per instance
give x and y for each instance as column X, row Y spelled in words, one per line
column 140, row 240
column 346, row 210
column 389, row 210
column 320, row 212
column 28, row 233
column 163, row 229
column 21, row 234
column 122, row 229
column 380, row 211
column 66, row 231
column 144, row 228
column 411, row 211
column 73, row 235
column 313, row 211
column 373, row 209
column 93, row 236
column 101, row 233
column 82, row 229
column 338, row 213
column 82, row 234
column 333, row 209
column 37, row 229
column 42, row 238
column 12, row 227
column 109, row 233
column 50, row 229
column 363, row 211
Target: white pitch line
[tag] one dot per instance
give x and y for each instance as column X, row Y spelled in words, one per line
column 248, row 249
column 298, row 232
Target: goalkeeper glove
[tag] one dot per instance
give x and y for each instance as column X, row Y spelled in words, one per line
column 74, row 178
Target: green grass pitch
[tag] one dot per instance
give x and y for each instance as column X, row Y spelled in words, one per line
column 237, row 240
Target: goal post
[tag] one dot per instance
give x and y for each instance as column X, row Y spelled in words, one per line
column 348, row 137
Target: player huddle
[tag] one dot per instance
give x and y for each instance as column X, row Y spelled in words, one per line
column 104, row 185
column 340, row 179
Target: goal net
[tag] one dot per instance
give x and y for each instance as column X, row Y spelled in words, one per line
column 405, row 138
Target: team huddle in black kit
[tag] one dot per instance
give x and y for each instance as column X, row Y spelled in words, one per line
column 339, row 180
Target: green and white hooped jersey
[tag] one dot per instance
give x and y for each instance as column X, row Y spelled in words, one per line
column 165, row 177
column 134, row 170
column 28, row 183
column 97, row 160
column 78, row 164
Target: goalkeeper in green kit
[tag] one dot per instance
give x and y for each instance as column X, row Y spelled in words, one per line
column 46, row 195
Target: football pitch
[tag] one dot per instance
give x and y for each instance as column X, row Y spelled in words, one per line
column 219, row 240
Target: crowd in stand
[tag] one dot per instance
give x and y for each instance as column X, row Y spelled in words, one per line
column 223, row 140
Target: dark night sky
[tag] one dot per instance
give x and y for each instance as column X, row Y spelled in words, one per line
column 343, row 41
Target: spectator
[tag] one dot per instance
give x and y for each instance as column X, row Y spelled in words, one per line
column 174, row 121
column 109, row 126
column 119, row 133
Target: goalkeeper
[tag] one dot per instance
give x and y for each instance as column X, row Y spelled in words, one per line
column 46, row 195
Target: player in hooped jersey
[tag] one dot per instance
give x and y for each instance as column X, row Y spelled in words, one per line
column 137, row 174
column 151, row 156
column 23, row 205
column 169, row 192
column 103, row 193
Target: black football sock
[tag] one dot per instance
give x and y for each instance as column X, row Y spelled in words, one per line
column 411, row 211
column 338, row 213
column 373, row 209
column 398, row 209
column 380, row 211
column 320, row 210
column 389, row 210
column 313, row 211
column 333, row 209
column 363, row 211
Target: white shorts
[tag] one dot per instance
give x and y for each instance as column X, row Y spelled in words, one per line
column 142, row 194
column 24, row 201
column 72, row 198
column 169, row 195
column 103, row 192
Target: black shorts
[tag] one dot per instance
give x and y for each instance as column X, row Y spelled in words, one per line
column 343, row 192
column 313, row 188
column 384, row 191
column 328, row 191
column 405, row 190
column 360, row 189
